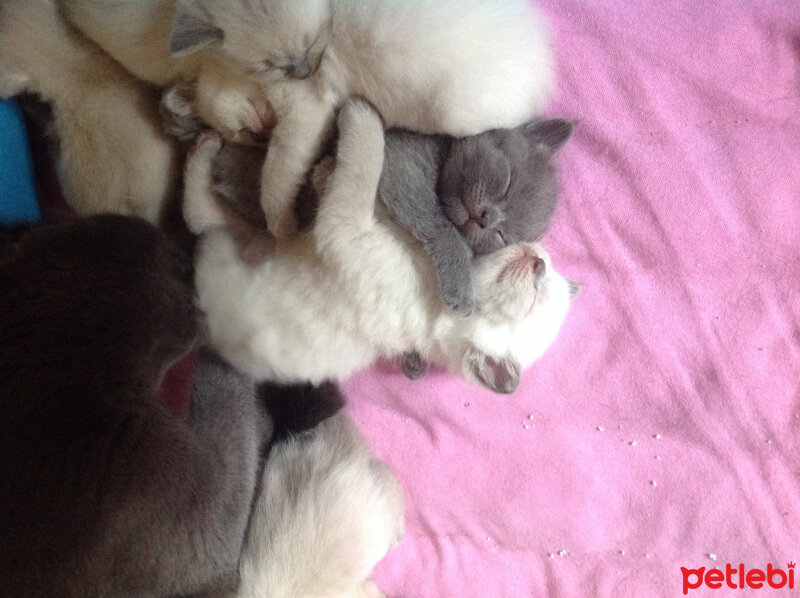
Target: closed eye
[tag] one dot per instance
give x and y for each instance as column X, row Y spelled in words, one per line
column 508, row 185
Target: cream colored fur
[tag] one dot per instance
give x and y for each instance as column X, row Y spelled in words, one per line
column 137, row 35
column 328, row 511
column 436, row 66
column 356, row 288
column 113, row 156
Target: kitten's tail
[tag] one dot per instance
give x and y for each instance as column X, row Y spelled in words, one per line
column 300, row 407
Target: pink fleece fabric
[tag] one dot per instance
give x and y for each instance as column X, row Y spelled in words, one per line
column 662, row 429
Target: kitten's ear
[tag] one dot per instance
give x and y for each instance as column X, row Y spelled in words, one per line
column 574, row 289
column 192, row 29
column 551, row 133
column 500, row 375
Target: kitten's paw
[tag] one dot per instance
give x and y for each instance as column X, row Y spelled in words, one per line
column 281, row 222
column 413, row 366
column 234, row 106
column 458, row 297
column 177, row 112
column 321, row 174
column 207, row 146
column 358, row 113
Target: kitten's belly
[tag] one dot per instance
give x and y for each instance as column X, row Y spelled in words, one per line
column 292, row 320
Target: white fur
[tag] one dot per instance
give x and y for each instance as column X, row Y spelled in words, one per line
column 113, row 156
column 328, row 511
column 459, row 67
column 137, row 35
column 437, row 66
column 356, row 288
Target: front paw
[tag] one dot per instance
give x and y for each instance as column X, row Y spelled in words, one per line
column 237, row 109
column 206, row 146
column 357, row 110
column 357, row 118
column 459, row 296
column 282, row 223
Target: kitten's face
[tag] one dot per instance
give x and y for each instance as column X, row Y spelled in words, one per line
column 269, row 39
column 508, row 282
column 521, row 303
column 500, row 187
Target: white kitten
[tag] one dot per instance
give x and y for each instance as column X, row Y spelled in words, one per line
column 328, row 511
column 356, row 288
column 435, row 66
column 113, row 156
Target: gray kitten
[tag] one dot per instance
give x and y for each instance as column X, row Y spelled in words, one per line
column 456, row 196
column 495, row 189
column 103, row 492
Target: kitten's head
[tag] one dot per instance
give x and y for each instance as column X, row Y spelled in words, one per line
column 269, row 39
column 521, row 304
column 500, row 187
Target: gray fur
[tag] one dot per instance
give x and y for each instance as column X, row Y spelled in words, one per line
column 457, row 197
column 192, row 29
column 497, row 188
column 104, row 493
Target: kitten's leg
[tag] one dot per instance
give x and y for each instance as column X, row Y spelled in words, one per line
column 420, row 213
column 200, row 208
column 296, row 142
column 452, row 259
column 347, row 209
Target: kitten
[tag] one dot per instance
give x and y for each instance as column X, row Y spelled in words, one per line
column 103, row 492
column 113, row 156
column 434, row 66
column 356, row 287
column 341, row 508
column 496, row 188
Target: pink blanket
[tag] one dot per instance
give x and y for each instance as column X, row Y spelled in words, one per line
column 662, row 429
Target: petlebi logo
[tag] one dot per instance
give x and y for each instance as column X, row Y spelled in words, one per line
column 738, row 578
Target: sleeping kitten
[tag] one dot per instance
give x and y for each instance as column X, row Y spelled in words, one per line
column 341, row 508
column 434, row 66
column 112, row 154
column 496, row 188
column 103, row 492
column 356, row 287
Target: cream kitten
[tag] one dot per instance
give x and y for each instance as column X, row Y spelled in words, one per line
column 328, row 511
column 113, row 156
column 459, row 67
column 357, row 287
column 137, row 35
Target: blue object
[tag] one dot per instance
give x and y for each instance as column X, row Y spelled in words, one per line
column 17, row 195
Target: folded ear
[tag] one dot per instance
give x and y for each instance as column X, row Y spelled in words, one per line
column 500, row 375
column 552, row 133
column 192, row 29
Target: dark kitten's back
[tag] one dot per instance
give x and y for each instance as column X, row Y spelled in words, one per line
column 102, row 491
